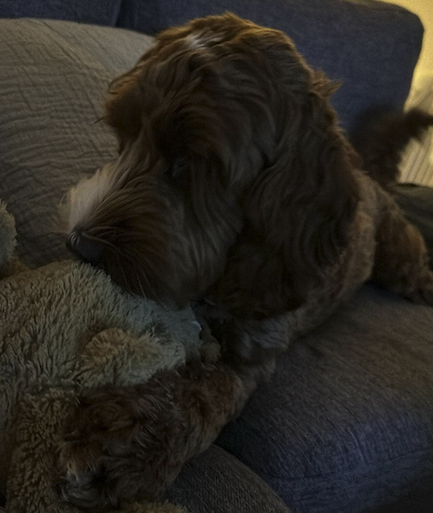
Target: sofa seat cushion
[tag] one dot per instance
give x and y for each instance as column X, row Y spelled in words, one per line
column 346, row 423
column 218, row 482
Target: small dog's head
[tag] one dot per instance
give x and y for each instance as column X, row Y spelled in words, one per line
column 223, row 131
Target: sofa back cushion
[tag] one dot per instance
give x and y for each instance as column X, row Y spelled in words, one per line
column 54, row 76
column 371, row 47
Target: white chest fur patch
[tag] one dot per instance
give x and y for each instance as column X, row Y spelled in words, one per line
column 82, row 199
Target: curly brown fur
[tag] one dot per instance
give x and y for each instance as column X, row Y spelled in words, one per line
column 130, row 443
column 227, row 141
column 233, row 177
column 381, row 137
column 233, row 181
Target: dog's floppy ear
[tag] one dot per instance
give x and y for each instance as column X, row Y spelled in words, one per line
column 300, row 206
column 299, row 209
column 123, row 107
column 305, row 199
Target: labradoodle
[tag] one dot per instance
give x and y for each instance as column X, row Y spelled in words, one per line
column 234, row 183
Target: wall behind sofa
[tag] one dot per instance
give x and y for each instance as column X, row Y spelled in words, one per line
column 424, row 9
column 417, row 164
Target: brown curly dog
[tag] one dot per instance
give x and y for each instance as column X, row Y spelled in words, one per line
column 233, row 181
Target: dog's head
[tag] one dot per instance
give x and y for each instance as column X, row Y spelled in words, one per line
column 224, row 133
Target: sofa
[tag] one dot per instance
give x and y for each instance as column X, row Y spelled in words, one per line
column 346, row 423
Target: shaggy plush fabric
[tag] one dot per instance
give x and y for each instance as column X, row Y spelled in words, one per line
column 162, row 393
column 65, row 328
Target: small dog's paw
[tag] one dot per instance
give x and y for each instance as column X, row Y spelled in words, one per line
column 124, row 443
column 423, row 292
column 85, row 490
column 79, row 457
column 210, row 350
column 426, row 290
column 81, row 474
column 98, row 426
column 423, row 295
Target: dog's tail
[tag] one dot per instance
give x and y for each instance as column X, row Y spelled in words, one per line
column 381, row 137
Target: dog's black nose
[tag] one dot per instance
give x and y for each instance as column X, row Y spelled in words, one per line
column 85, row 247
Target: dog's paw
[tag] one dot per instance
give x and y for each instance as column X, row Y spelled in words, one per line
column 422, row 292
column 124, row 443
column 423, row 295
column 252, row 342
column 83, row 490
column 82, row 474
column 210, row 350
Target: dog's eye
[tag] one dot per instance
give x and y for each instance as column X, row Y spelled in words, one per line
column 177, row 168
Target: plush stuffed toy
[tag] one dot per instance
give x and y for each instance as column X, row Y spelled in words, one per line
column 64, row 328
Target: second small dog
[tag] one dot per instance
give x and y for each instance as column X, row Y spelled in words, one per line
column 233, row 180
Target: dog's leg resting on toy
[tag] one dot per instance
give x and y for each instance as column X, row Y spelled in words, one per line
column 251, row 341
column 130, row 443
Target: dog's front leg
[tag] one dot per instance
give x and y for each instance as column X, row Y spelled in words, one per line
column 130, row 443
column 401, row 259
column 251, row 341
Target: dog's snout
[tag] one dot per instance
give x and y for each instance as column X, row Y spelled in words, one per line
column 85, row 247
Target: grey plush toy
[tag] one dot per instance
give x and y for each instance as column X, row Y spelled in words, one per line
column 64, row 328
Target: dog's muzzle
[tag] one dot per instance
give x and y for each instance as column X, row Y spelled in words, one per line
column 86, row 248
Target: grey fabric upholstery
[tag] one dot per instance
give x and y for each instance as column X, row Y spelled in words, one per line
column 218, row 482
column 347, row 422
column 54, row 76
